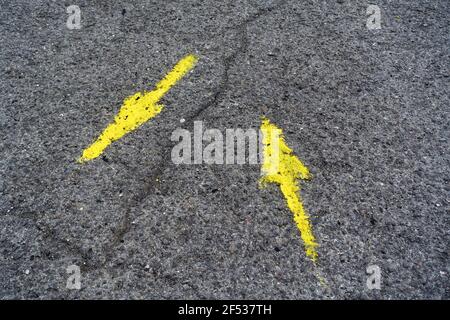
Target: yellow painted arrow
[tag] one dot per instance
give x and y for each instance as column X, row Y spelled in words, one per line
column 138, row 109
column 282, row 167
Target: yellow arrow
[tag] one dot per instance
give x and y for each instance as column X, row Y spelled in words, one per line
column 138, row 109
column 282, row 167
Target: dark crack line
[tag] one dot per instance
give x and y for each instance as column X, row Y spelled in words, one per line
column 87, row 263
column 221, row 89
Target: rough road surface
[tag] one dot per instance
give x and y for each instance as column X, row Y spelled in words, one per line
column 366, row 110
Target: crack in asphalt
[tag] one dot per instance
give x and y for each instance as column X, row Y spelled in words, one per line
column 149, row 186
column 221, row 89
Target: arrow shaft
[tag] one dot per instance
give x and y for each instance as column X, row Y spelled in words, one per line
column 301, row 219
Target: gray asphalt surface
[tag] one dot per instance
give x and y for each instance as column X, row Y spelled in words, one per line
column 367, row 111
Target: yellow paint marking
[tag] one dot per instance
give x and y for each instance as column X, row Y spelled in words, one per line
column 138, row 109
column 282, row 167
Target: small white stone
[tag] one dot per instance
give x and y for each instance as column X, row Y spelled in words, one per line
column 27, row 271
column 182, row 120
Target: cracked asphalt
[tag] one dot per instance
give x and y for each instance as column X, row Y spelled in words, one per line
column 367, row 111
